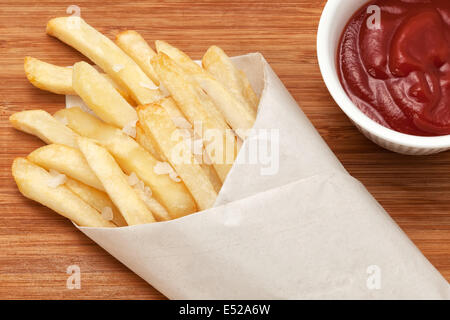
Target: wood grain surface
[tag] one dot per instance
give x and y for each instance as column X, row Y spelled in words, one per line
column 36, row 245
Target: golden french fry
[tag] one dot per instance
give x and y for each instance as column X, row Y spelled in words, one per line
column 132, row 43
column 99, row 200
column 101, row 97
column 178, row 56
column 75, row 32
column 48, row 77
column 194, row 103
column 212, row 175
column 67, row 160
column 248, row 92
column 148, row 144
column 217, row 63
column 180, row 121
column 157, row 123
column 41, row 124
column 158, row 210
column 193, row 71
column 115, row 182
column 132, row 158
column 33, row 183
column 123, row 92
column 177, row 117
column 172, row 109
column 238, row 114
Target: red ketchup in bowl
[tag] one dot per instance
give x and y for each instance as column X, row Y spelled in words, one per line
column 394, row 63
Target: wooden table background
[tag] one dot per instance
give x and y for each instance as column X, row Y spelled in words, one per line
column 36, row 245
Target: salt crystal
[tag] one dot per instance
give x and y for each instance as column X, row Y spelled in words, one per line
column 117, row 67
column 140, row 185
column 144, row 197
column 130, row 129
column 165, row 168
column 162, row 168
column 150, row 86
column 56, row 179
column 107, row 213
column 133, row 179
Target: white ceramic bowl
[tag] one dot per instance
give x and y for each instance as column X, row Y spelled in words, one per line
column 334, row 18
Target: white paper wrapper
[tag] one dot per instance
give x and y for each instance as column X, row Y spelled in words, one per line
column 311, row 231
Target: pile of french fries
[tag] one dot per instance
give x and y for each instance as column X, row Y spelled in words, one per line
column 118, row 163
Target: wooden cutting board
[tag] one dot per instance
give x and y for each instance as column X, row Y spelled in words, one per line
column 37, row 246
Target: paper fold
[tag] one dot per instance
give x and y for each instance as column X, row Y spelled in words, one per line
column 310, row 231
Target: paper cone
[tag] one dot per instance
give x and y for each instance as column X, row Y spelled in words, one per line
column 309, row 231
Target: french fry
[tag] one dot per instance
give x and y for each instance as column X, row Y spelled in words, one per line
column 32, row 182
column 99, row 200
column 123, row 92
column 132, row 158
column 237, row 113
column 171, row 107
column 47, row 76
column 248, row 92
column 178, row 56
column 217, row 63
column 115, row 182
column 132, row 43
column 41, row 124
column 194, row 103
column 157, row 123
column 212, row 175
column 177, row 147
column 67, row 160
column 75, row 32
column 180, row 121
column 158, row 210
column 101, row 97
column 148, row 144
column 194, row 71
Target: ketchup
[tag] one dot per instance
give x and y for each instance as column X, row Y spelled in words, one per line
column 396, row 69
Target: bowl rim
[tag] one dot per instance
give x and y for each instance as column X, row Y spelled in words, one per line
column 343, row 101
